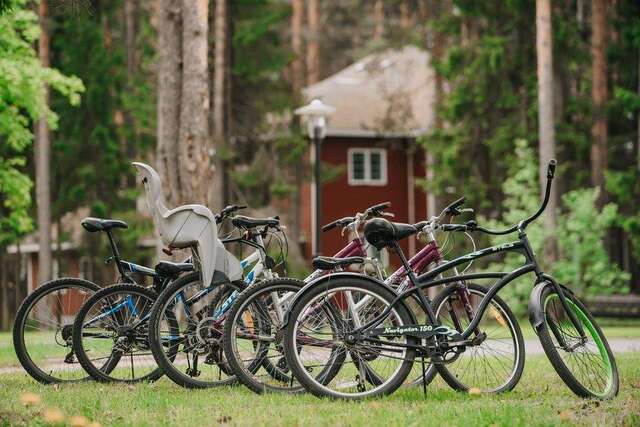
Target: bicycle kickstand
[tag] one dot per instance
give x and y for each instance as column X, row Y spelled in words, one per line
column 424, row 378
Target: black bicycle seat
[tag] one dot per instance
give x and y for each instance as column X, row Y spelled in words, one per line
column 248, row 222
column 329, row 263
column 380, row 232
column 171, row 269
column 98, row 224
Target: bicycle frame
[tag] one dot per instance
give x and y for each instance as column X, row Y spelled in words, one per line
column 424, row 281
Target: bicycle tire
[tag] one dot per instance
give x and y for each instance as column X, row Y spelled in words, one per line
column 20, row 322
column 593, row 331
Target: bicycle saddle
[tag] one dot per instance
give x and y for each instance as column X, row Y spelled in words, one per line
column 98, row 224
column 380, row 232
column 329, row 263
column 171, row 269
column 188, row 226
column 242, row 221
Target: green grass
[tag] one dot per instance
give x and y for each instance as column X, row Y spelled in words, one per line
column 540, row 399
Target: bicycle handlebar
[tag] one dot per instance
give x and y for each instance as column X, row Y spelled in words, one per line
column 377, row 209
column 227, row 211
column 342, row 222
column 473, row 226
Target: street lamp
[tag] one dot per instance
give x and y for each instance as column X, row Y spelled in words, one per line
column 316, row 113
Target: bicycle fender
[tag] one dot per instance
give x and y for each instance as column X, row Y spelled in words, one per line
column 326, row 279
column 536, row 309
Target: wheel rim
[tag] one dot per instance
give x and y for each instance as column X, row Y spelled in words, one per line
column 114, row 335
column 365, row 370
column 256, row 343
column 190, row 336
column 484, row 366
column 46, row 333
column 590, row 368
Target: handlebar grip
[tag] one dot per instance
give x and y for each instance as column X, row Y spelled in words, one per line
column 551, row 170
column 458, row 202
column 453, row 227
column 330, row 226
column 379, row 207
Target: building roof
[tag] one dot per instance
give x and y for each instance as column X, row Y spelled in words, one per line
column 390, row 93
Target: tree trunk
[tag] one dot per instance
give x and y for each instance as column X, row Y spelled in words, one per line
column 378, row 19
column 406, row 19
column 131, row 8
column 313, row 45
column 297, row 67
column 194, row 140
column 546, row 130
column 169, row 97
column 219, row 105
column 638, row 119
column 599, row 96
column 297, row 80
column 4, row 292
column 43, row 158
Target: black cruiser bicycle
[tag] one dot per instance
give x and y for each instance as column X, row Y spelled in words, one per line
column 387, row 340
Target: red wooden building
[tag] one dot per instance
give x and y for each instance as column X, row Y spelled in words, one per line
column 383, row 103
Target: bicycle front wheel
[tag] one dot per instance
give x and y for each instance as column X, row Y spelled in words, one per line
column 586, row 365
column 185, row 332
column 110, row 335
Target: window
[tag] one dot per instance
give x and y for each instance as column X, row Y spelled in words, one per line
column 367, row 166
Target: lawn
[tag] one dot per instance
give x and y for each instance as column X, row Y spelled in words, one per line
column 540, row 399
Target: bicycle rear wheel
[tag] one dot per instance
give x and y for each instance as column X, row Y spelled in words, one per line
column 586, row 366
column 496, row 362
column 42, row 331
column 321, row 329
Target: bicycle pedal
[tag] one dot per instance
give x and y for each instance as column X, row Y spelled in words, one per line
column 193, row 373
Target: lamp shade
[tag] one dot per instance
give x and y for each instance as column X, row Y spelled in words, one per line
column 316, row 113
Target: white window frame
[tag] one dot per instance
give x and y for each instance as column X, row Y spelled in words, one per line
column 367, row 166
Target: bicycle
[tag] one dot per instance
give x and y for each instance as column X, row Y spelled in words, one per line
column 392, row 333
column 245, row 344
column 198, row 332
column 43, row 327
column 250, row 332
column 112, row 326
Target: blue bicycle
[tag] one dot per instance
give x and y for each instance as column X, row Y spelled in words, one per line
column 110, row 332
column 187, row 320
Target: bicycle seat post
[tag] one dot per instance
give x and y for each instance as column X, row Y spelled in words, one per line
column 116, row 254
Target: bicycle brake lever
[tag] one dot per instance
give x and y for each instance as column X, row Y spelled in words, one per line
column 108, row 260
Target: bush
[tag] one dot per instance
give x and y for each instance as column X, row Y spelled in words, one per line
column 584, row 264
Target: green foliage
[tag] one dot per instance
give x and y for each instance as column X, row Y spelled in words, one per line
column 584, row 264
column 23, row 82
column 117, row 121
column 521, row 200
column 490, row 77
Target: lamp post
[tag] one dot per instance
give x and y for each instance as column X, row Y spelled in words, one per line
column 316, row 113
